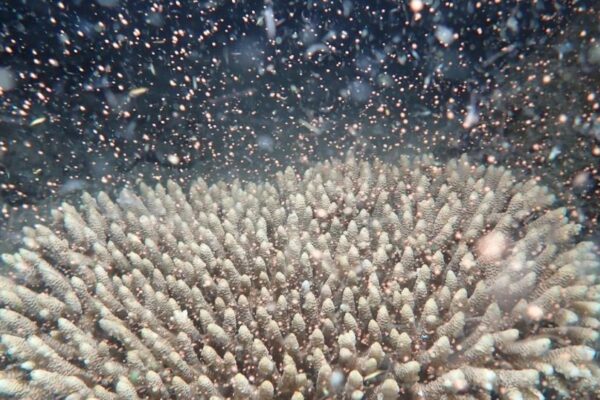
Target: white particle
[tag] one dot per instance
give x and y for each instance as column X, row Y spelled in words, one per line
column 173, row 159
column 416, row 5
column 492, row 245
column 444, row 35
column 7, row 79
column 337, row 379
column 534, row 312
column 305, row 286
column 471, row 118
column 270, row 22
column 554, row 153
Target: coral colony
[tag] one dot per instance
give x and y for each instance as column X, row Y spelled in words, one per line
column 354, row 280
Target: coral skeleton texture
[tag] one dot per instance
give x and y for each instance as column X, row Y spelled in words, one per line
column 356, row 279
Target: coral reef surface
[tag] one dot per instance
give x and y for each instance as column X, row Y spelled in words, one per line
column 355, row 279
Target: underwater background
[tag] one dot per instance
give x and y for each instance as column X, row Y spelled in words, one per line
column 106, row 94
column 99, row 94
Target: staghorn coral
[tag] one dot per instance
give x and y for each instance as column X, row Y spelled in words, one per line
column 355, row 280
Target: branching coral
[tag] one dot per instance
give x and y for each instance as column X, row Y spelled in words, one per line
column 354, row 280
